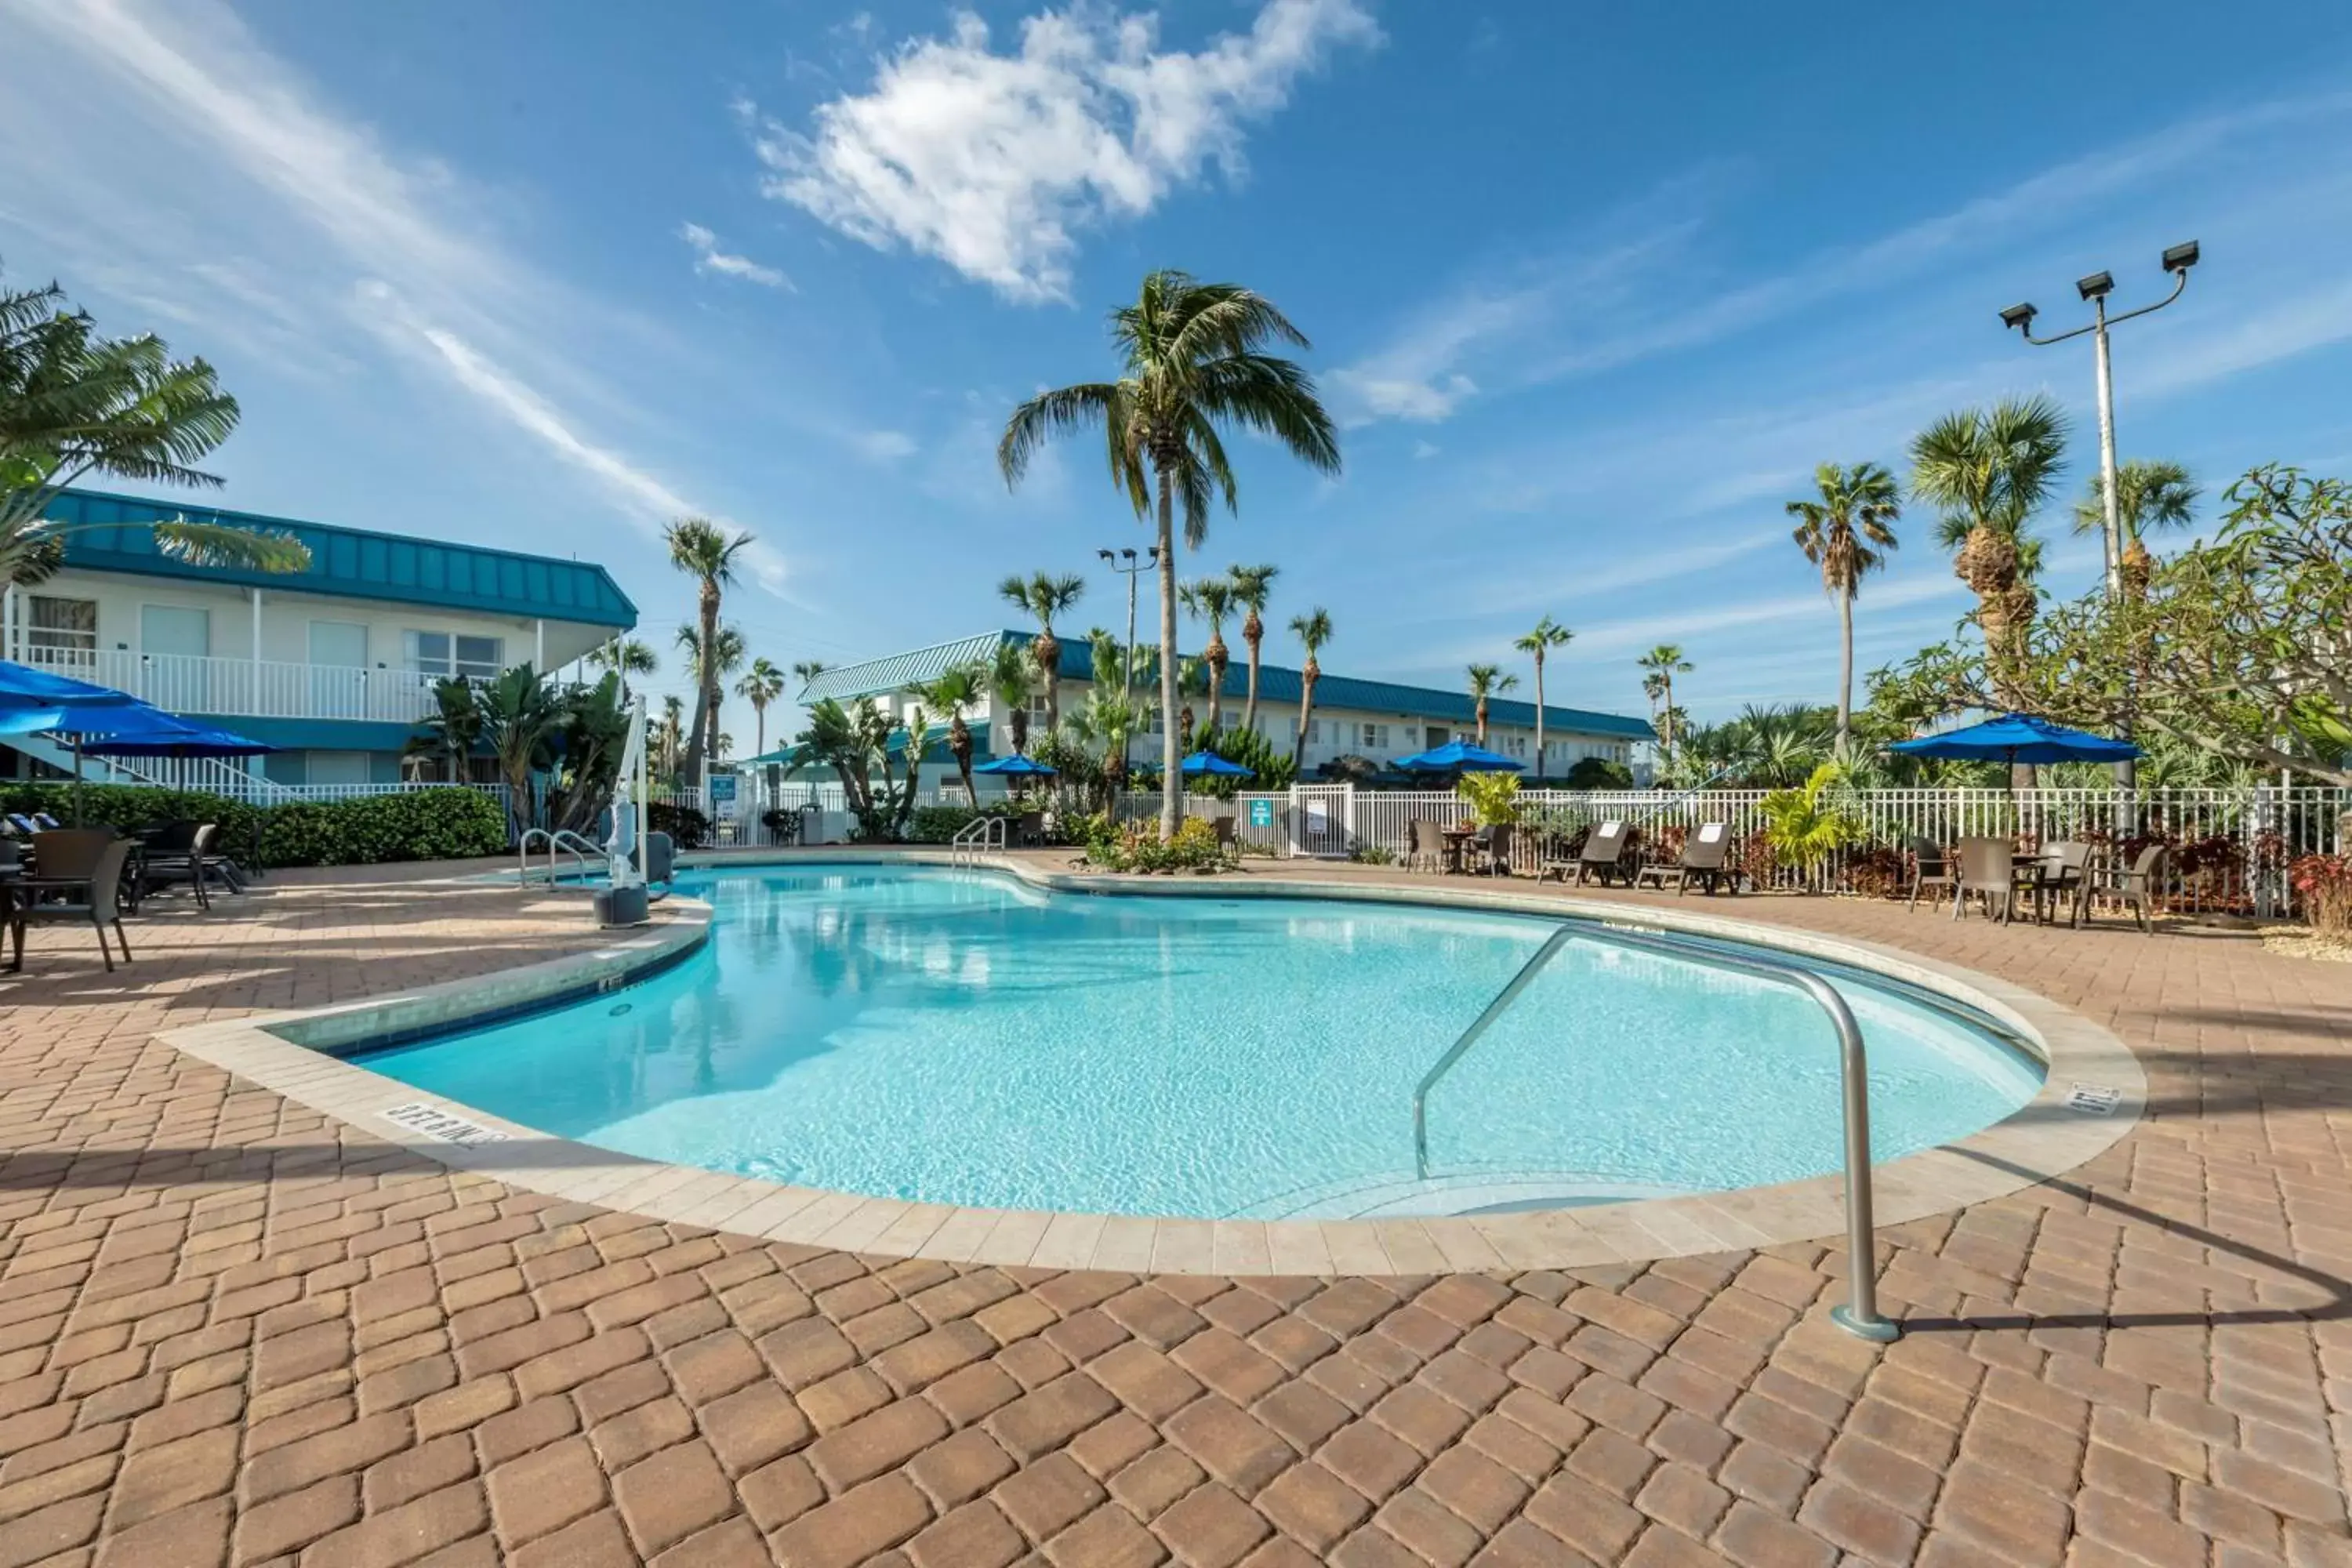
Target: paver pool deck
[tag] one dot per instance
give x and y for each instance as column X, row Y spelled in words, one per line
column 236, row 1330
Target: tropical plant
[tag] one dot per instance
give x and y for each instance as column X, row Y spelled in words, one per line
column 521, row 717
column 1192, row 681
column 1492, row 798
column 1252, row 587
column 1009, row 677
column 1245, row 747
column 1312, row 630
column 955, row 692
column 760, row 685
column 1600, row 774
column 625, row 656
column 1106, row 722
column 1989, row 470
column 1537, row 642
column 1044, row 596
column 1661, row 665
column 587, row 764
column 1487, row 680
column 1807, row 825
column 73, row 403
column 728, row 650
column 1193, row 357
column 807, row 670
column 450, row 732
column 702, row 550
column 2149, row 495
column 1210, row 599
column 1846, row 532
column 855, row 742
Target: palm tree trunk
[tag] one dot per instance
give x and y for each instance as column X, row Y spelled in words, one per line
column 1049, row 665
column 1216, row 657
column 1253, row 633
column 1170, row 802
column 1482, row 721
column 1845, row 673
column 1540, row 711
column 1305, row 716
column 706, row 718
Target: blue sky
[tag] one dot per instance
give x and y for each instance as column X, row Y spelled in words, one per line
column 1592, row 287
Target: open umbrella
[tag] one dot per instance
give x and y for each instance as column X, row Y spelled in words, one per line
column 1208, row 764
column 2016, row 737
column 1017, row 767
column 1460, row 757
column 33, row 699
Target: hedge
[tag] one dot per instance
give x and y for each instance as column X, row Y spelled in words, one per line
column 413, row 825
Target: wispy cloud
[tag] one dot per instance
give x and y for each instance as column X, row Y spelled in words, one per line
column 885, row 446
column 994, row 162
column 708, row 257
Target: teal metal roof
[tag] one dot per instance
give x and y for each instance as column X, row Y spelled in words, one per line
column 347, row 563
column 1279, row 685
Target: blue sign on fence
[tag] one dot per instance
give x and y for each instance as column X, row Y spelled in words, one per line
column 1261, row 814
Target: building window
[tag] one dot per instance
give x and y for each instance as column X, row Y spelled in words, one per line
column 1375, row 737
column 453, row 653
column 62, row 631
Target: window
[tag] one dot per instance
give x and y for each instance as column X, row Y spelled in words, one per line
column 453, row 653
column 62, row 631
column 1375, row 737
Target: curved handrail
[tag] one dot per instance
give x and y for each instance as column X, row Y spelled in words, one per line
column 1860, row 1315
column 562, row 838
column 981, row 833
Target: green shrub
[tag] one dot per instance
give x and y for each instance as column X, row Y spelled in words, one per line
column 1600, row 774
column 1139, row 847
column 688, row 828
column 413, row 825
column 939, row 823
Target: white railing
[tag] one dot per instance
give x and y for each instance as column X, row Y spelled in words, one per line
column 182, row 683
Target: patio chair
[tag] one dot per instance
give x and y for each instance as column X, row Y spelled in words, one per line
column 183, row 853
column 1493, row 847
column 1028, row 830
column 2065, row 874
column 1604, row 852
column 1988, row 868
column 1705, row 855
column 2138, row 887
column 1930, row 868
column 1424, row 844
column 84, row 873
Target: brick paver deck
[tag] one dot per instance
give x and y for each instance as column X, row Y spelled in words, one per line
column 234, row 1331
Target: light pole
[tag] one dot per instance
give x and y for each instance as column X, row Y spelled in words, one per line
column 2095, row 288
column 1135, row 565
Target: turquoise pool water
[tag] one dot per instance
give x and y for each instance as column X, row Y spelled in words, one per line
column 956, row 1036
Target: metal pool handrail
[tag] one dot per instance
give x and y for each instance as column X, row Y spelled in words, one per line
column 975, row 838
column 1860, row 1315
column 578, row 848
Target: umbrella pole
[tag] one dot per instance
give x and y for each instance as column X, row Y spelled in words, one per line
column 77, row 778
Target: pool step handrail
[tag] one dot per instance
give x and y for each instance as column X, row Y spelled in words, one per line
column 1860, row 1315
column 976, row 837
column 580, row 849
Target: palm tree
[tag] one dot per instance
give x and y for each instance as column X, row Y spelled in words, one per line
column 955, row 692
column 1313, row 629
column 1193, row 358
column 1044, row 596
column 2148, row 495
column 1212, row 600
column 807, row 670
column 669, row 736
column 1486, row 681
column 1252, row 584
column 625, row 656
column 1011, row 679
column 761, row 684
column 701, row 549
column 450, row 732
column 521, row 719
column 1846, row 534
column 73, row 403
column 1547, row 636
column 1989, row 470
column 1664, row 662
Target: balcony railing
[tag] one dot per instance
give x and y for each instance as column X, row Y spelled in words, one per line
column 182, row 683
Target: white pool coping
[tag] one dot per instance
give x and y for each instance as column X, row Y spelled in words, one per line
column 290, row 1053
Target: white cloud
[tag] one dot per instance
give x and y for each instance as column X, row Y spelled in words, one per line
column 708, row 257
column 885, row 446
column 992, row 162
column 1422, row 449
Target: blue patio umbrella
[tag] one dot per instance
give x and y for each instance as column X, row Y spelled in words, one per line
column 2016, row 737
column 1460, row 757
column 32, row 699
column 1016, row 766
column 1208, row 764
column 159, row 734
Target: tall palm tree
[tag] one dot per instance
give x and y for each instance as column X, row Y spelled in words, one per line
column 624, row 656
column 727, row 651
column 1252, row 585
column 1664, row 662
column 1193, row 357
column 1547, row 636
column 73, row 403
column 1012, row 679
column 669, row 736
column 1212, row 599
column 1989, row 470
column 954, row 692
column 1313, row 629
column 760, row 685
column 701, row 549
column 1846, row 534
column 1486, row 681
column 1044, row 596
column 2148, row 495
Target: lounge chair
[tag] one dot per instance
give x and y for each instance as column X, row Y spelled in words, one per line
column 81, row 879
column 1930, row 868
column 2138, row 887
column 1705, row 854
column 1988, row 868
column 183, row 853
column 1605, row 851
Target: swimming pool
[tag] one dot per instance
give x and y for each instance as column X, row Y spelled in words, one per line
column 957, row 1037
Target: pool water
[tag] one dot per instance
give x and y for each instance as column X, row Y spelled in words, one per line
column 956, row 1036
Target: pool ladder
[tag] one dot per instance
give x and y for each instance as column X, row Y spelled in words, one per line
column 563, row 839
column 975, row 838
column 1860, row 1315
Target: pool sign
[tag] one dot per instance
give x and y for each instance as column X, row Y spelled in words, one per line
column 722, row 796
column 1261, row 814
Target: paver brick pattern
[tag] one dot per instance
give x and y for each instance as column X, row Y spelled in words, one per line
column 233, row 1330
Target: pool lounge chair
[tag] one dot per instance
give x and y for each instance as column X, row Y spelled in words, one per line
column 1705, row 855
column 1605, row 851
column 81, row 879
